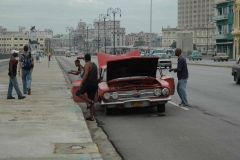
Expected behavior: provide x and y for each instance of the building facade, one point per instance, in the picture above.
(10, 40)
(202, 38)
(236, 30)
(143, 39)
(224, 24)
(195, 13)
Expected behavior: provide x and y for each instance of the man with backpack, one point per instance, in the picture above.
(26, 63)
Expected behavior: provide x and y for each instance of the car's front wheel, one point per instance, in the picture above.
(236, 79)
(170, 67)
(108, 111)
(161, 108)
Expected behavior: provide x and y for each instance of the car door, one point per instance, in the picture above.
(238, 67)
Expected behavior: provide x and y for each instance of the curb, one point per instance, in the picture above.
(211, 65)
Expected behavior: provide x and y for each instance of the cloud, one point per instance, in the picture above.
(58, 14)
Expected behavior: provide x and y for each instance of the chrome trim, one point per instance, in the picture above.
(136, 100)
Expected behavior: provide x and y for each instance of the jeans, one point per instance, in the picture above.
(13, 83)
(181, 89)
(26, 79)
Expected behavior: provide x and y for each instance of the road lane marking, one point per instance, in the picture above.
(184, 108)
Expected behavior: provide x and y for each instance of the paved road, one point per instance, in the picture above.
(209, 129)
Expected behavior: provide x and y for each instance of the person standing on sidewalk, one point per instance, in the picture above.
(12, 72)
(182, 74)
(89, 85)
(27, 64)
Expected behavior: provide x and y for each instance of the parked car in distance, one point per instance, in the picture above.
(80, 56)
(236, 71)
(221, 57)
(195, 55)
(164, 60)
(68, 55)
(73, 54)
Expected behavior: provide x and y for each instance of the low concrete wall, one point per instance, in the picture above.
(5, 56)
(4, 64)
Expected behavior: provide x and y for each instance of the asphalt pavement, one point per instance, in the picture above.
(209, 129)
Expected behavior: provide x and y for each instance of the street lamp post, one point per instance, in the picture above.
(114, 12)
(98, 22)
(70, 29)
(88, 26)
(207, 35)
(150, 44)
(104, 18)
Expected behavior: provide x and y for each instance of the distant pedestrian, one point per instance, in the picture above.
(27, 64)
(89, 85)
(80, 71)
(39, 57)
(49, 56)
(12, 72)
(182, 74)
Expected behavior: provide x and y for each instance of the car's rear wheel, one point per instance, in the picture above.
(214, 60)
(200, 59)
(236, 79)
(161, 108)
(226, 59)
(170, 67)
(165, 67)
(108, 111)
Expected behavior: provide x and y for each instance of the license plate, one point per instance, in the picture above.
(136, 104)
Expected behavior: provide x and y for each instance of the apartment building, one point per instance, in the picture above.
(143, 39)
(10, 40)
(236, 30)
(195, 13)
(107, 32)
(224, 23)
(202, 38)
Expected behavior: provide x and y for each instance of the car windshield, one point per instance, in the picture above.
(222, 54)
(162, 56)
(159, 51)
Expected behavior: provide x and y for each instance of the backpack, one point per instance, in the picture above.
(27, 62)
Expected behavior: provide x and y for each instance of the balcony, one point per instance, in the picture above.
(227, 36)
(220, 17)
(220, 36)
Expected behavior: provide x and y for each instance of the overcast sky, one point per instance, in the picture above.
(58, 14)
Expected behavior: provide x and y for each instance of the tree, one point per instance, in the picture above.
(174, 44)
(194, 47)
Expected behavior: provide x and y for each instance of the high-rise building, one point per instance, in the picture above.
(195, 13)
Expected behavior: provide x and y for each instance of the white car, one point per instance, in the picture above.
(73, 54)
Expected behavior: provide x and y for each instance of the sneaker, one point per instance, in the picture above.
(29, 91)
(183, 105)
(22, 97)
(180, 104)
(10, 97)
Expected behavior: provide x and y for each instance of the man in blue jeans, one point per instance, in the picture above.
(12, 72)
(26, 63)
(182, 74)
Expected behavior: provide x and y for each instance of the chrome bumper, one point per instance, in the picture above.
(128, 103)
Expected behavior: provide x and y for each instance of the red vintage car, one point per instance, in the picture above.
(128, 81)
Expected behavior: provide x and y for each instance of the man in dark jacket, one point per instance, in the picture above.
(12, 72)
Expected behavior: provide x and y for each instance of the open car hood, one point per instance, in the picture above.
(132, 67)
(103, 58)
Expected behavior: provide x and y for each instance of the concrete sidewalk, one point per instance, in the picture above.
(45, 125)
